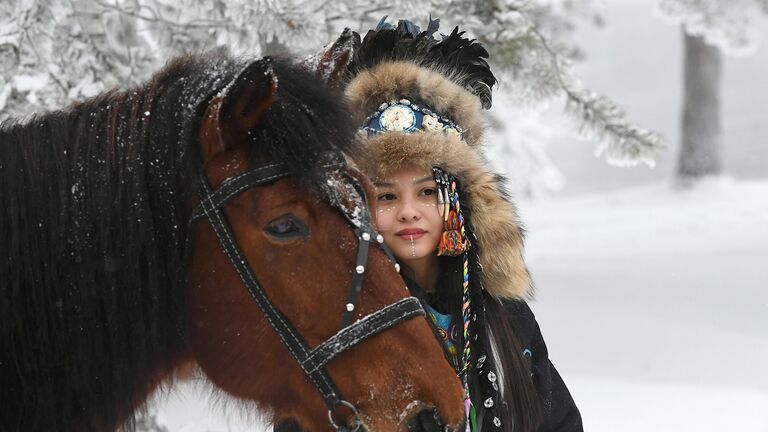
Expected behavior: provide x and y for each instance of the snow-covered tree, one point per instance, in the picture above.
(710, 27)
(531, 44)
(55, 52)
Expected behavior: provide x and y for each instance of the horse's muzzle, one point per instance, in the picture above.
(429, 421)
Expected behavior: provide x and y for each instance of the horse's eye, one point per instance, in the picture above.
(286, 226)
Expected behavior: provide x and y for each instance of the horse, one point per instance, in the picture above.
(205, 217)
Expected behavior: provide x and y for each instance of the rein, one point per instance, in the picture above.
(311, 361)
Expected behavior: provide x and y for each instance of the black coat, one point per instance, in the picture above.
(560, 412)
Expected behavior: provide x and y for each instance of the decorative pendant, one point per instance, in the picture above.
(480, 361)
(491, 377)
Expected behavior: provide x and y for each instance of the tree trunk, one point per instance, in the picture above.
(701, 134)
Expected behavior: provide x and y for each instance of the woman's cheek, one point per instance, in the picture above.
(385, 218)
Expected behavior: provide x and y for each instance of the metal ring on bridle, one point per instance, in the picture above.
(358, 422)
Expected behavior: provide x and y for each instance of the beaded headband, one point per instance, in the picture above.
(406, 116)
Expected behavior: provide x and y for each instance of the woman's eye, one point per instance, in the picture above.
(429, 191)
(386, 197)
(286, 226)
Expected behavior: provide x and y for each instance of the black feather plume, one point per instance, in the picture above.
(460, 59)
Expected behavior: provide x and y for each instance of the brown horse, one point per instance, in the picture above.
(107, 286)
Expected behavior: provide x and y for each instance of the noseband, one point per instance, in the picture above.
(312, 361)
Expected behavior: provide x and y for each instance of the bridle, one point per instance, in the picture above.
(311, 361)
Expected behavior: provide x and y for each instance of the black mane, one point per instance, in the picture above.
(93, 201)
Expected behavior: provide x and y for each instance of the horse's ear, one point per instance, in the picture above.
(232, 115)
(330, 64)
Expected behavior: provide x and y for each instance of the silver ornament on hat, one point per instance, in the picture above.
(397, 118)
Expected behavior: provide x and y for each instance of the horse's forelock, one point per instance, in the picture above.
(306, 123)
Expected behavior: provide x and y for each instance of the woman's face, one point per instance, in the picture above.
(407, 214)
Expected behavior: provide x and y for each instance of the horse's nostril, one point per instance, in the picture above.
(426, 421)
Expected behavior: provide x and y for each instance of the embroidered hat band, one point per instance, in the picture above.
(406, 116)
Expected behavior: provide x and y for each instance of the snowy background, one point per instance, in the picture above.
(653, 299)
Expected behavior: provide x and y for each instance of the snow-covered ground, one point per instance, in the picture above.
(654, 301)
(654, 304)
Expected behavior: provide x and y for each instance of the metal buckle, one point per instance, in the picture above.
(358, 422)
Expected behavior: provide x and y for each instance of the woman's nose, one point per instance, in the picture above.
(408, 212)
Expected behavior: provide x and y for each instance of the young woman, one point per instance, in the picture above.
(446, 217)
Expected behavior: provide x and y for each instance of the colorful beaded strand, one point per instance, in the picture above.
(471, 415)
(453, 241)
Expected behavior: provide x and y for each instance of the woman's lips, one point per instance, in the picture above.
(411, 233)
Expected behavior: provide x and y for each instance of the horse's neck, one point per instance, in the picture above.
(90, 230)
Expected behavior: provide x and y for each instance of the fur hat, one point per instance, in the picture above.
(449, 81)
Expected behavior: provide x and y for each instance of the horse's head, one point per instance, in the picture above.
(297, 228)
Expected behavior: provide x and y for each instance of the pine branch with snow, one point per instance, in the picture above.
(540, 68)
(622, 143)
(93, 45)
